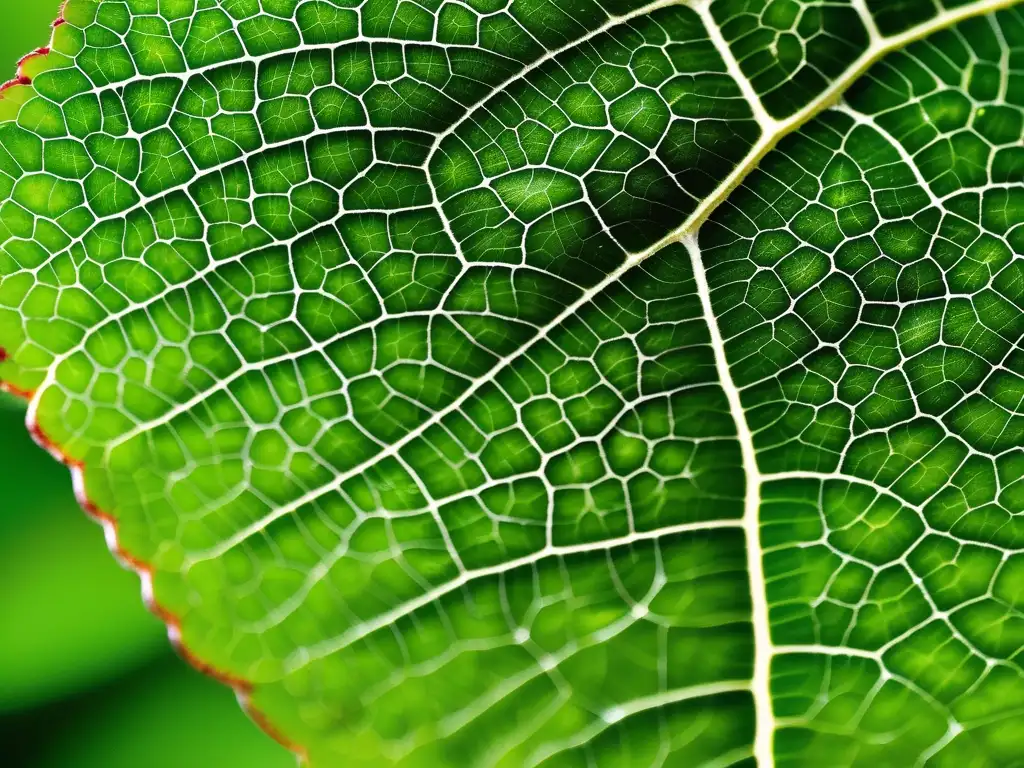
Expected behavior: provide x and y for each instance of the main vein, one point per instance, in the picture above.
(772, 132)
(763, 650)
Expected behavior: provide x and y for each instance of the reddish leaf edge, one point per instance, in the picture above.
(243, 689)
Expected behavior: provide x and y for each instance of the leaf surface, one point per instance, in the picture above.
(545, 383)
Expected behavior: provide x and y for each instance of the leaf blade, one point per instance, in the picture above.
(460, 350)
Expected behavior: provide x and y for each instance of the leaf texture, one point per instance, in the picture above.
(546, 382)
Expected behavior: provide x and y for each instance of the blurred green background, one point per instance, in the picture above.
(87, 677)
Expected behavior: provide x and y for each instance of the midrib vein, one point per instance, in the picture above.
(763, 651)
(765, 722)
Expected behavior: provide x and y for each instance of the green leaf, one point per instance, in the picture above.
(546, 383)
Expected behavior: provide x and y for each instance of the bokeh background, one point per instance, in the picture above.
(87, 677)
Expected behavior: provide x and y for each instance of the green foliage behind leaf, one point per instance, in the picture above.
(71, 620)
